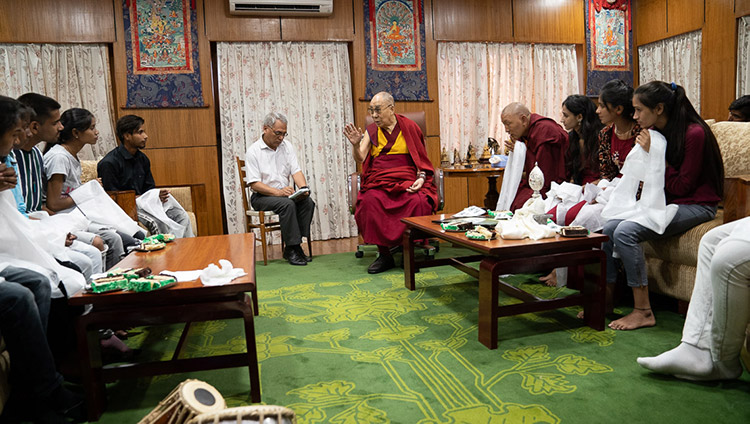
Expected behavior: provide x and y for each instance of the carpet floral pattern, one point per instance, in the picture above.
(340, 346)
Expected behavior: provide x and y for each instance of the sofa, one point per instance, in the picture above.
(192, 197)
(671, 262)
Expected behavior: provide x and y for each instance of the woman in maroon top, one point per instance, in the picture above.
(620, 129)
(693, 180)
(583, 126)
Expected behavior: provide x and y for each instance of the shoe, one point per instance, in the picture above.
(293, 256)
(302, 253)
(382, 263)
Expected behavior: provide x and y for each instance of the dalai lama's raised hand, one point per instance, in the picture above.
(418, 183)
(353, 134)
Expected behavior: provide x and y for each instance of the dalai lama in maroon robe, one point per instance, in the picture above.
(396, 181)
(546, 144)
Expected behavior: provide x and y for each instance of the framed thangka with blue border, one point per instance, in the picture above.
(161, 46)
(609, 43)
(395, 49)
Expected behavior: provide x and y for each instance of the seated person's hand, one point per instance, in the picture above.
(353, 134)
(286, 192)
(418, 183)
(8, 178)
(69, 239)
(98, 242)
(163, 195)
(509, 145)
(644, 139)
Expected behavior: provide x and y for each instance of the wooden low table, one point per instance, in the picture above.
(184, 302)
(510, 257)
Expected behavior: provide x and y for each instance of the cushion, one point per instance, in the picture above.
(735, 149)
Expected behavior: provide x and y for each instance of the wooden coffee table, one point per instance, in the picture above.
(510, 257)
(184, 302)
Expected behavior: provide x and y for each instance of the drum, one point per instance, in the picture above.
(254, 414)
(189, 399)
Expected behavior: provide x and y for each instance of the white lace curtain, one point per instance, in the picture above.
(743, 56)
(76, 75)
(477, 80)
(309, 83)
(676, 59)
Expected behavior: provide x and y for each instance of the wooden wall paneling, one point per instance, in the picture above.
(684, 16)
(472, 20)
(221, 26)
(191, 165)
(182, 141)
(55, 21)
(650, 21)
(741, 8)
(719, 59)
(337, 27)
(544, 21)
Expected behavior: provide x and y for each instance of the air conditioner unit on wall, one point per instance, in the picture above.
(281, 7)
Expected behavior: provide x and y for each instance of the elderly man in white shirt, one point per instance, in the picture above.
(269, 163)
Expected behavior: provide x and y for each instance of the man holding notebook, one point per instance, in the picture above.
(269, 164)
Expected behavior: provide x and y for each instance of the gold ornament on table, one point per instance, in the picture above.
(444, 162)
(456, 158)
(471, 156)
(486, 155)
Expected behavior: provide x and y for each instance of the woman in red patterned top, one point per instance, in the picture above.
(617, 137)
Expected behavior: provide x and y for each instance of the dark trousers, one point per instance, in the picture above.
(295, 216)
(24, 308)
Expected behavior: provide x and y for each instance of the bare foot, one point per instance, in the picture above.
(637, 319)
(550, 279)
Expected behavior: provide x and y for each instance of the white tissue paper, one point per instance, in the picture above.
(212, 275)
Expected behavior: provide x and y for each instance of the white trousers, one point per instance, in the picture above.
(720, 305)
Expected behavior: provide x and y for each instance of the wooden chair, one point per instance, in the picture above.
(353, 182)
(264, 224)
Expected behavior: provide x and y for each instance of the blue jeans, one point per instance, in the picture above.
(24, 308)
(625, 238)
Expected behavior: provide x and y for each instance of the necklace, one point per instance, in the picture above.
(624, 135)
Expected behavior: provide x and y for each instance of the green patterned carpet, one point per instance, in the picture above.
(340, 346)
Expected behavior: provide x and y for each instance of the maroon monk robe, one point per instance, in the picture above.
(383, 199)
(546, 144)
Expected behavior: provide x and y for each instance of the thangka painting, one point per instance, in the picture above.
(161, 44)
(395, 46)
(609, 43)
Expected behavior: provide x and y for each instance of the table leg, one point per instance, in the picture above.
(409, 268)
(252, 351)
(490, 199)
(89, 351)
(596, 289)
(488, 298)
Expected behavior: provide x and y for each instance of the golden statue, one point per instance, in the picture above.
(444, 162)
(471, 156)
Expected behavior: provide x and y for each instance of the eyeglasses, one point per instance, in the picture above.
(377, 110)
(279, 133)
